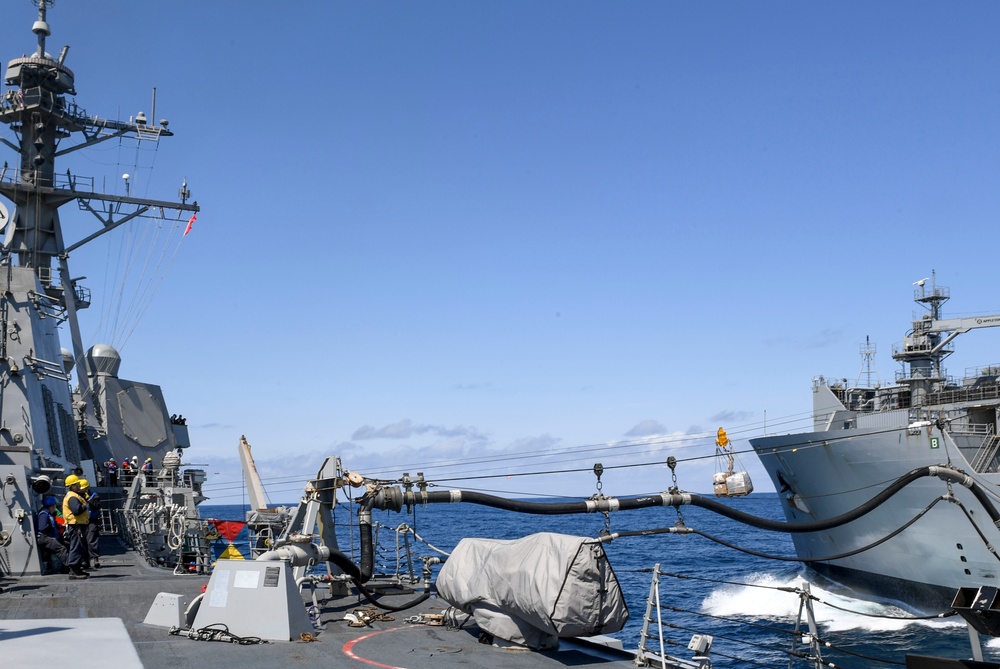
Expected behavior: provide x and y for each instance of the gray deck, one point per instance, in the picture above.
(46, 619)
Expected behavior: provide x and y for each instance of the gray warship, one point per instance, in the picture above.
(49, 426)
(153, 535)
(928, 443)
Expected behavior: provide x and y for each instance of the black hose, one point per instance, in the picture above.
(393, 499)
(815, 526)
(397, 498)
(535, 508)
(388, 607)
(350, 569)
(345, 563)
(367, 552)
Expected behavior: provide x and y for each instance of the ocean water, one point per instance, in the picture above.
(741, 600)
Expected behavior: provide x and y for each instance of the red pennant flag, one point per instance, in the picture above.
(194, 217)
(229, 528)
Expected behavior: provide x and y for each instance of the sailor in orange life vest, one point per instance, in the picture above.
(76, 515)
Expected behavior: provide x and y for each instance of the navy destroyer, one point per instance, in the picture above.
(104, 427)
(936, 531)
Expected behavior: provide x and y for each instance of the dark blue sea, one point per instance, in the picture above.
(739, 599)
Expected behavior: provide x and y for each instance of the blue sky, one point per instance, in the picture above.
(532, 236)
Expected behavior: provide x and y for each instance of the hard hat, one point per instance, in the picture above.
(50, 501)
(84, 484)
(72, 479)
(149, 459)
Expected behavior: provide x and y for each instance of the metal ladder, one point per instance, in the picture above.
(986, 454)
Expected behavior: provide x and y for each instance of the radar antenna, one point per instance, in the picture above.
(868, 365)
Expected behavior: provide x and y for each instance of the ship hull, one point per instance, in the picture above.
(821, 475)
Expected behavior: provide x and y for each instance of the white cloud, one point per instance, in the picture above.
(647, 428)
(406, 429)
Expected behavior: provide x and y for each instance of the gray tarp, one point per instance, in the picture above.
(536, 589)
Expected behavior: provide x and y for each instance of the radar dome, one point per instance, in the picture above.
(104, 359)
(67, 360)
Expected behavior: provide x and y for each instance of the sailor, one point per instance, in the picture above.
(93, 535)
(77, 516)
(47, 537)
(126, 472)
(147, 470)
(112, 473)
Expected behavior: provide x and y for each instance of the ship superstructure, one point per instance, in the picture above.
(932, 537)
(49, 429)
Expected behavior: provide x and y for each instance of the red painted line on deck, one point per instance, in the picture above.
(348, 649)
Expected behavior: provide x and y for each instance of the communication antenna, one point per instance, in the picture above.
(868, 365)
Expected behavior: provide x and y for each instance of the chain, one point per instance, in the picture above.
(598, 470)
(674, 490)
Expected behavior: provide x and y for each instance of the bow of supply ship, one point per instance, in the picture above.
(920, 454)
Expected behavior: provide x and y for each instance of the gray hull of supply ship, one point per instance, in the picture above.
(932, 536)
(50, 427)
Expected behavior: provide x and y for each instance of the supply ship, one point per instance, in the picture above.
(937, 533)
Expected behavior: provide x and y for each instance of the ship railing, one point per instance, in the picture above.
(36, 97)
(15, 103)
(149, 132)
(978, 373)
(657, 657)
(806, 643)
(935, 293)
(264, 526)
(165, 536)
(984, 392)
(82, 296)
(108, 521)
(394, 553)
(920, 374)
(911, 347)
(67, 181)
(964, 427)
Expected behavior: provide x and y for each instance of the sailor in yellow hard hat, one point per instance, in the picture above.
(92, 536)
(77, 515)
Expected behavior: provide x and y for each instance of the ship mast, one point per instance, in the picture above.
(36, 109)
(922, 351)
(928, 344)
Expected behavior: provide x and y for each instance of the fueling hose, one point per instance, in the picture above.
(393, 498)
(352, 570)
